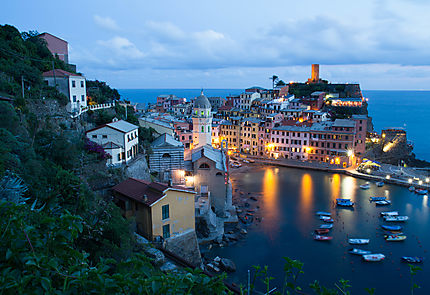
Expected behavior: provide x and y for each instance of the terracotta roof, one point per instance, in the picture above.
(144, 192)
(59, 73)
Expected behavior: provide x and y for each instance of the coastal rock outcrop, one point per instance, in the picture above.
(227, 265)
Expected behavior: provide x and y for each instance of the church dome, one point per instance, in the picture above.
(202, 102)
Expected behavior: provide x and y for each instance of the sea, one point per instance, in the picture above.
(388, 108)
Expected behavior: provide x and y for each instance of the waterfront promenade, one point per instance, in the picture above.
(400, 176)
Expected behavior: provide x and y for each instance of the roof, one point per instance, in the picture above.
(344, 123)
(60, 73)
(166, 140)
(121, 126)
(145, 192)
(110, 146)
(52, 36)
(291, 128)
(317, 93)
(210, 153)
(202, 102)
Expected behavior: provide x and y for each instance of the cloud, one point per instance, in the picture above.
(106, 23)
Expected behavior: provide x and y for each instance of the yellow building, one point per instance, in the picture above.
(159, 209)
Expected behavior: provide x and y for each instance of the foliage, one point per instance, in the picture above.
(413, 269)
(93, 147)
(100, 92)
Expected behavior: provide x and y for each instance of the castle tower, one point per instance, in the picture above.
(315, 72)
(202, 122)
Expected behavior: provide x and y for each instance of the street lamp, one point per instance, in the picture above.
(388, 177)
(420, 182)
(427, 179)
(410, 180)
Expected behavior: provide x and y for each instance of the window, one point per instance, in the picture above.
(94, 136)
(104, 136)
(204, 166)
(74, 98)
(82, 83)
(165, 212)
(119, 157)
(203, 128)
(218, 174)
(73, 83)
(166, 231)
(209, 128)
(82, 97)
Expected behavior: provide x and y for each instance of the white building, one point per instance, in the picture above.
(119, 139)
(202, 122)
(71, 85)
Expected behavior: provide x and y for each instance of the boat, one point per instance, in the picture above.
(235, 165)
(321, 231)
(390, 213)
(374, 199)
(359, 251)
(322, 238)
(373, 257)
(380, 183)
(396, 218)
(358, 241)
(383, 203)
(326, 226)
(411, 188)
(421, 191)
(344, 202)
(326, 219)
(251, 161)
(365, 186)
(395, 238)
(322, 213)
(412, 259)
(391, 227)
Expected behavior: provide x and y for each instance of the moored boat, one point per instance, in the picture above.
(421, 191)
(412, 259)
(380, 184)
(374, 257)
(411, 188)
(322, 213)
(326, 226)
(326, 219)
(365, 186)
(358, 241)
(356, 251)
(322, 238)
(322, 231)
(390, 213)
(396, 218)
(374, 199)
(391, 227)
(395, 238)
(383, 203)
(344, 202)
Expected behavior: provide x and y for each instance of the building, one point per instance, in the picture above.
(71, 85)
(159, 126)
(202, 122)
(315, 77)
(58, 47)
(158, 209)
(120, 139)
(216, 102)
(167, 158)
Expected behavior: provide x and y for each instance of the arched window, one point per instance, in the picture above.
(218, 174)
(204, 166)
(166, 156)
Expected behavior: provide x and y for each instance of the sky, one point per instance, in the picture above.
(381, 44)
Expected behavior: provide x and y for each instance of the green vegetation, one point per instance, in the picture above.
(100, 92)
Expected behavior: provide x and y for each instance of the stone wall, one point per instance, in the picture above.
(186, 247)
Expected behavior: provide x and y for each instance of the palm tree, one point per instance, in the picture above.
(274, 79)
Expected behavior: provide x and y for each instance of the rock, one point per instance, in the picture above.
(243, 231)
(217, 259)
(231, 237)
(253, 198)
(168, 267)
(156, 256)
(219, 240)
(227, 265)
(212, 267)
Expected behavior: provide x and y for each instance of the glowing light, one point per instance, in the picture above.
(420, 182)
(388, 177)
(368, 171)
(427, 179)
(229, 153)
(337, 161)
(350, 153)
(410, 180)
(276, 155)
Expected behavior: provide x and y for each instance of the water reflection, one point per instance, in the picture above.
(306, 199)
(270, 200)
(335, 187)
(349, 188)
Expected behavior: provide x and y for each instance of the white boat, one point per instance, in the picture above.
(374, 199)
(344, 202)
(365, 186)
(390, 213)
(322, 213)
(327, 219)
(411, 188)
(359, 251)
(327, 226)
(373, 257)
(421, 191)
(396, 218)
(358, 241)
(383, 203)
(380, 183)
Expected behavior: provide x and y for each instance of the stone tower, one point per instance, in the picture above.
(315, 72)
(202, 122)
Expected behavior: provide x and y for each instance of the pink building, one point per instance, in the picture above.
(57, 46)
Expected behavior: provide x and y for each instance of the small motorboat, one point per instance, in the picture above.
(326, 226)
(383, 203)
(390, 213)
(421, 191)
(321, 231)
(380, 184)
(365, 186)
(322, 213)
(373, 257)
(396, 218)
(358, 241)
(344, 202)
(251, 161)
(327, 219)
(235, 165)
(322, 238)
(356, 251)
(411, 188)
(375, 199)
(391, 227)
(395, 238)
(412, 259)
